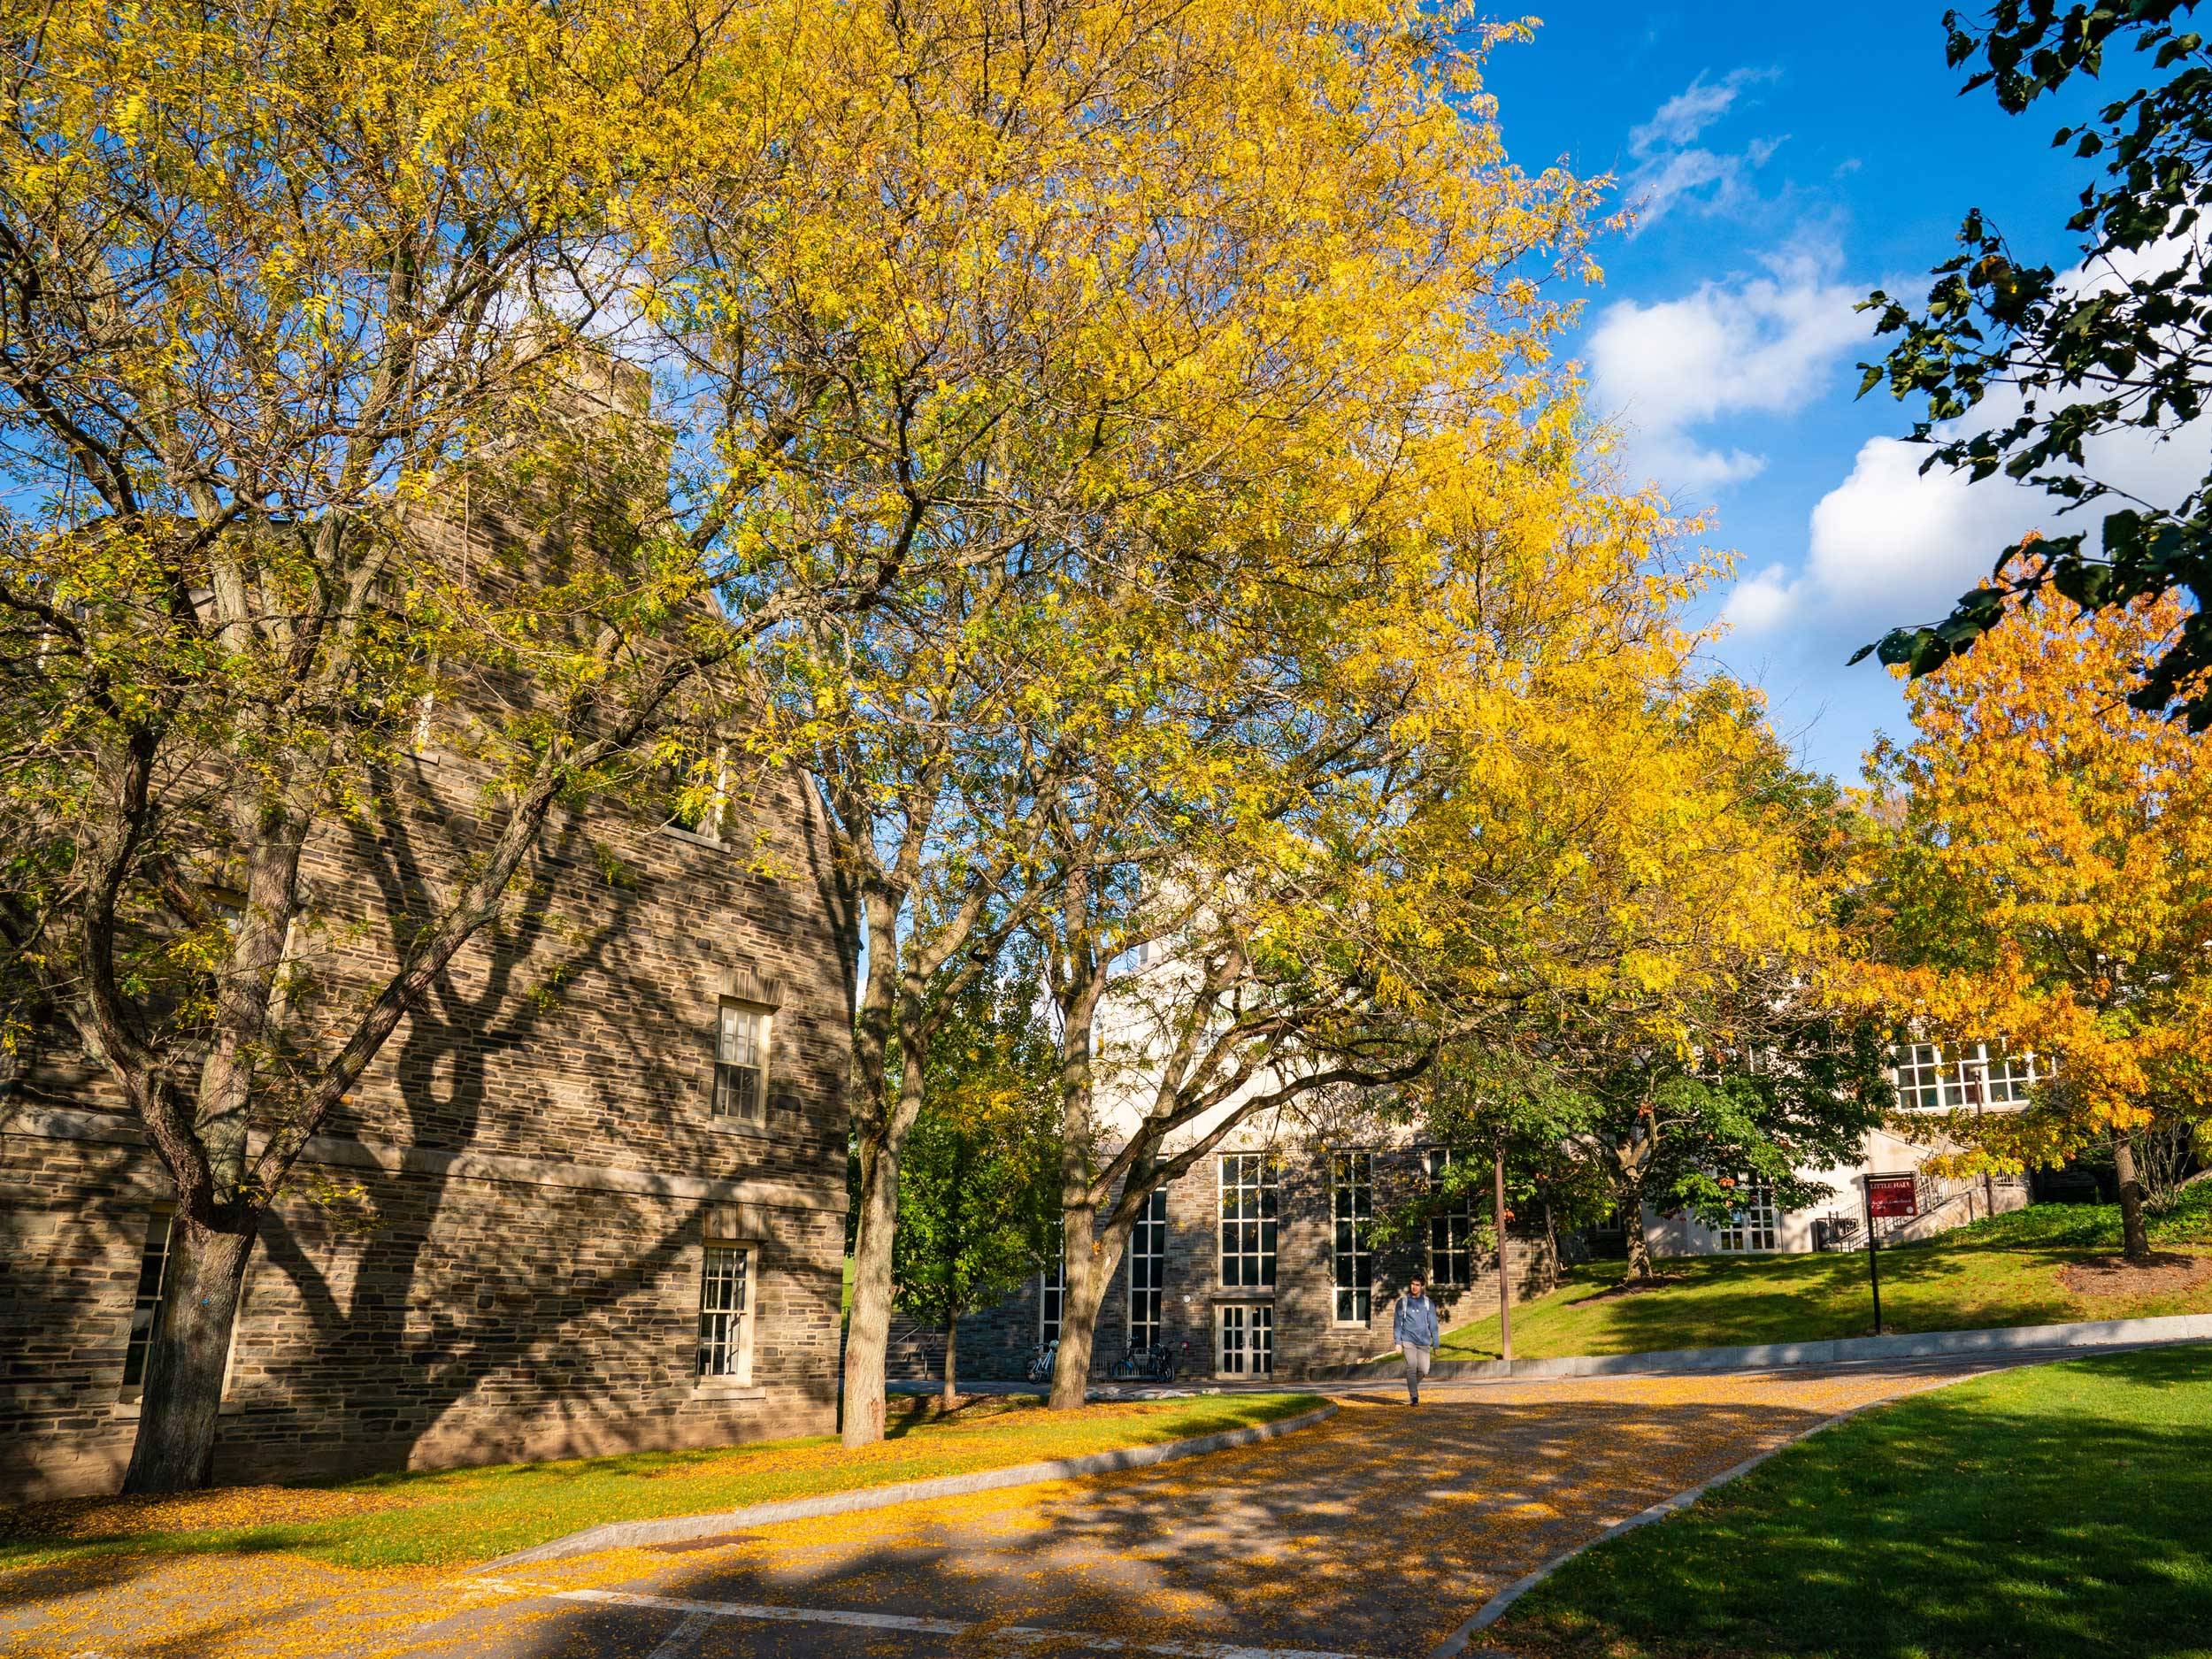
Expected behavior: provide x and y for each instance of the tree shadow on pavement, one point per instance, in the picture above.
(1376, 1533)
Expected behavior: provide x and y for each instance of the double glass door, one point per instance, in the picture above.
(1245, 1339)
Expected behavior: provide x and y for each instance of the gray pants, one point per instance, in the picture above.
(1416, 1368)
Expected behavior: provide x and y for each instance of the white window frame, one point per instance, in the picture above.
(1147, 1272)
(1936, 1077)
(1755, 1229)
(1256, 1219)
(763, 1056)
(736, 1356)
(1351, 1244)
(1052, 1299)
(1443, 1224)
(1253, 1325)
(157, 1242)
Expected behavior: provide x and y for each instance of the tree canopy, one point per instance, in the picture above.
(2026, 370)
(2046, 878)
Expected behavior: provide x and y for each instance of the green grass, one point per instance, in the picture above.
(453, 1516)
(2053, 1510)
(2001, 1271)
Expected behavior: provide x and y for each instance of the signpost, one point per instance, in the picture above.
(1505, 1283)
(1889, 1197)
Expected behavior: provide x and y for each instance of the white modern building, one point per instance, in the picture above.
(1933, 1081)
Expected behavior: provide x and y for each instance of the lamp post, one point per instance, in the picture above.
(1505, 1287)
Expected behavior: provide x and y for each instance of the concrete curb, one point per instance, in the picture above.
(1490, 1611)
(2187, 1327)
(676, 1528)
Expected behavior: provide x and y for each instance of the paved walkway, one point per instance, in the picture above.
(1374, 1534)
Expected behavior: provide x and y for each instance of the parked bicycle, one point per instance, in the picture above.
(1156, 1363)
(1041, 1362)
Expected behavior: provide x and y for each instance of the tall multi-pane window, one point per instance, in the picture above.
(153, 1272)
(1352, 1260)
(1052, 1293)
(741, 1063)
(1147, 1270)
(1755, 1226)
(1936, 1078)
(725, 1311)
(1249, 1185)
(1451, 1226)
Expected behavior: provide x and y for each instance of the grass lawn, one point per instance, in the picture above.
(2008, 1269)
(2057, 1510)
(453, 1516)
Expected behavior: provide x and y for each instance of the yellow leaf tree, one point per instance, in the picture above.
(2045, 878)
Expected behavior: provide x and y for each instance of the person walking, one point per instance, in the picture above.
(1416, 1329)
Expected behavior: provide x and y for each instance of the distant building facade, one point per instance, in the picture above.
(589, 1198)
(1261, 1261)
(1931, 1079)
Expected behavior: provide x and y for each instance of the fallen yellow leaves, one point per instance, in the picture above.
(1375, 1532)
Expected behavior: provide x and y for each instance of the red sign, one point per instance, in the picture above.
(1892, 1197)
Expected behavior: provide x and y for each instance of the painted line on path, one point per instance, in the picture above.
(905, 1624)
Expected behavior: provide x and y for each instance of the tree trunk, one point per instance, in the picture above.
(952, 1347)
(175, 1448)
(1633, 1229)
(2135, 1239)
(868, 1332)
(1090, 1267)
(1080, 1306)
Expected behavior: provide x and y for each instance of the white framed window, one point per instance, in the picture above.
(1147, 1270)
(1244, 1339)
(742, 1034)
(1352, 1255)
(1919, 1076)
(1755, 1226)
(153, 1274)
(1452, 1227)
(1052, 1296)
(726, 1280)
(1932, 1077)
(2005, 1078)
(1250, 1185)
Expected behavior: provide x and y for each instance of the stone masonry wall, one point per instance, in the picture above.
(537, 1153)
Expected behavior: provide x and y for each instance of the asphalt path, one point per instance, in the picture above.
(1375, 1534)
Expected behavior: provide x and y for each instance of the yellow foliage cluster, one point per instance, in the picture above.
(2045, 875)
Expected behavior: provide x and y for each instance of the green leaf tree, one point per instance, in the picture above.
(979, 1200)
(2125, 346)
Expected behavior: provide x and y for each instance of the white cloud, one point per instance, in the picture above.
(1760, 345)
(1671, 172)
(1891, 544)
(1690, 111)
(1760, 602)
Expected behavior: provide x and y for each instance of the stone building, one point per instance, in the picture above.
(590, 1199)
(1261, 1261)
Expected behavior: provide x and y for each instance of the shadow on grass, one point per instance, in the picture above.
(2059, 1510)
(2000, 1272)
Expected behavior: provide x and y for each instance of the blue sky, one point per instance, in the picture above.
(1788, 159)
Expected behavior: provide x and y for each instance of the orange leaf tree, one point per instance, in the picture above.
(2045, 878)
